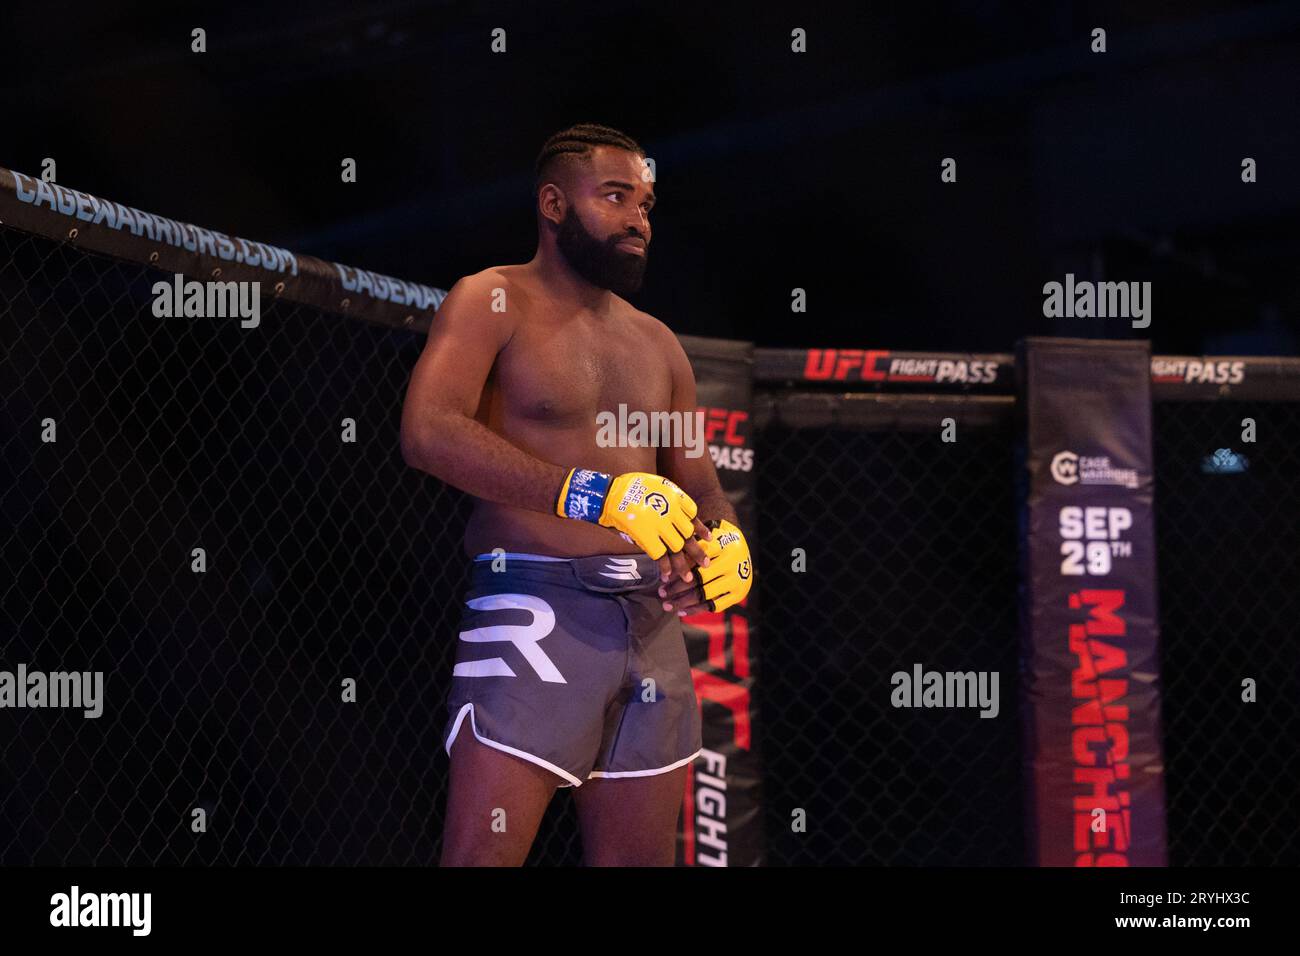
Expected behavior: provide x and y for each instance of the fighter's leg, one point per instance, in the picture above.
(630, 821)
(495, 803)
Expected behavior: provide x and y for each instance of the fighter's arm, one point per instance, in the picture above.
(439, 432)
(440, 435)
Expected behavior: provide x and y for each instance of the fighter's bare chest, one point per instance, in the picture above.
(572, 373)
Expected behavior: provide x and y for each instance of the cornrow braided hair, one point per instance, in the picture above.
(575, 144)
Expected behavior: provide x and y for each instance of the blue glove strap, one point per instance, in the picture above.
(584, 494)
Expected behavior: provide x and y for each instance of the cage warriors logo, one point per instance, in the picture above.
(879, 365)
(126, 219)
(88, 208)
(1068, 468)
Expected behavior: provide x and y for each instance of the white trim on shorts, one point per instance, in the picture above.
(644, 773)
(531, 758)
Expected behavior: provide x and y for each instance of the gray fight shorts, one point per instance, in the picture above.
(554, 664)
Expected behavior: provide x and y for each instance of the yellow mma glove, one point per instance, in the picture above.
(652, 512)
(730, 574)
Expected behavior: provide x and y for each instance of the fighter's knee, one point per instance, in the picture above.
(475, 834)
(481, 853)
(645, 855)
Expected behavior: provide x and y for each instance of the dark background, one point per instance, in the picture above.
(776, 170)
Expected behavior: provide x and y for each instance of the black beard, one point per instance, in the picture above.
(599, 262)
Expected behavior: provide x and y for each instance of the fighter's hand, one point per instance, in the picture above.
(693, 554)
(727, 581)
(647, 509)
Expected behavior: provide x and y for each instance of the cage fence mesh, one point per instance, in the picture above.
(329, 559)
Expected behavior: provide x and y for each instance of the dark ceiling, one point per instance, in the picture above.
(776, 169)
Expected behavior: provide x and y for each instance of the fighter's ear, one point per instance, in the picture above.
(551, 202)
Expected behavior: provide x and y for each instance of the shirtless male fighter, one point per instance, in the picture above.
(571, 668)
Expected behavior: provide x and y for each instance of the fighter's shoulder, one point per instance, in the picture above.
(653, 329)
(487, 281)
(495, 292)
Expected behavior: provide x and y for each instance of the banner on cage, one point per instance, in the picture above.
(1089, 625)
(721, 822)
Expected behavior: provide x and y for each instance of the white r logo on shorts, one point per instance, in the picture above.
(621, 569)
(522, 636)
